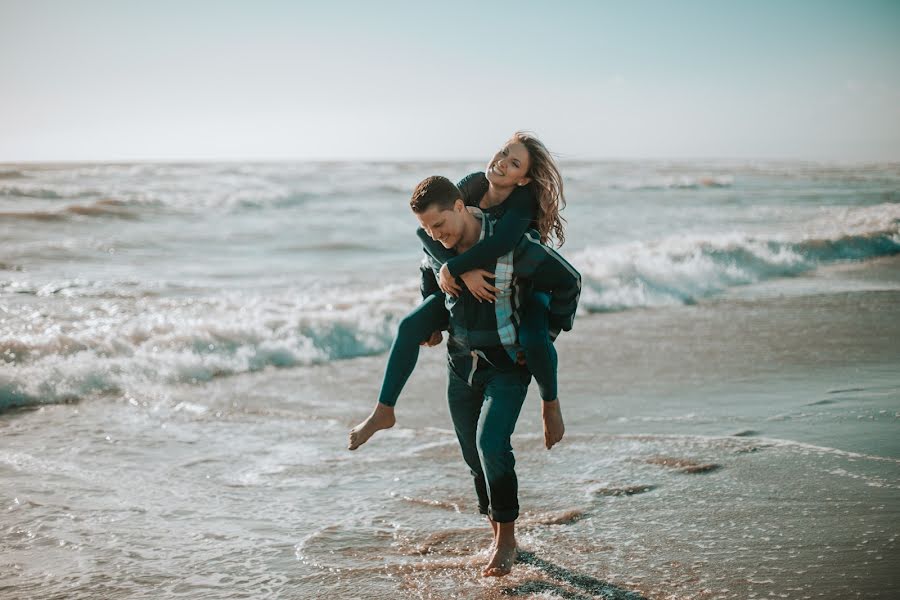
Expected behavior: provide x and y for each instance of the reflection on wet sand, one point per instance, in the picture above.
(682, 464)
(578, 580)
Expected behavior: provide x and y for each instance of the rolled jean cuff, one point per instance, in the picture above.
(505, 516)
(484, 510)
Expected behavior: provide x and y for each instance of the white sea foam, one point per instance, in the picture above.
(117, 335)
(115, 275)
(673, 182)
(62, 352)
(682, 269)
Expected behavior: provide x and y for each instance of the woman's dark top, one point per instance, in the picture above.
(513, 217)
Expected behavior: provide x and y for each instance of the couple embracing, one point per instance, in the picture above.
(491, 279)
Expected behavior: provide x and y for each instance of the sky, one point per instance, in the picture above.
(399, 80)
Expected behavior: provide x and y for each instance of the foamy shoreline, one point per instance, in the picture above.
(719, 450)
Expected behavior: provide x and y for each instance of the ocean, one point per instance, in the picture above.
(183, 348)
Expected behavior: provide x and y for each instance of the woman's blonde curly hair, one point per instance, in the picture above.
(547, 183)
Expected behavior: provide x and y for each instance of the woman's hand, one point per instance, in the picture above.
(476, 281)
(436, 338)
(447, 283)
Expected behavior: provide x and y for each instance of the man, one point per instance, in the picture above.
(487, 385)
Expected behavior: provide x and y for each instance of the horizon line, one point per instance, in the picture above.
(560, 158)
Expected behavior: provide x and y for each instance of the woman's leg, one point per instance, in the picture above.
(540, 355)
(415, 328)
(534, 336)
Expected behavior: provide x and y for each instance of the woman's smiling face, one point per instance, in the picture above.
(509, 166)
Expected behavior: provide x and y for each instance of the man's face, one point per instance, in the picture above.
(444, 226)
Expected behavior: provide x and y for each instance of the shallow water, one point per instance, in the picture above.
(187, 515)
(701, 487)
(732, 401)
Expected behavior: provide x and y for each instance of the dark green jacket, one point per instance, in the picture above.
(491, 329)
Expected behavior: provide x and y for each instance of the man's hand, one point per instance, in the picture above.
(436, 338)
(447, 283)
(476, 281)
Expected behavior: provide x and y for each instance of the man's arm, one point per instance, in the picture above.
(429, 287)
(428, 284)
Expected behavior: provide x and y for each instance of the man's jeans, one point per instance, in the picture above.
(484, 416)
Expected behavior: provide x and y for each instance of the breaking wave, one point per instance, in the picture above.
(684, 269)
(673, 183)
(125, 344)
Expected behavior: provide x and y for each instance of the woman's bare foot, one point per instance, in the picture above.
(381, 418)
(504, 555)
(554, 428)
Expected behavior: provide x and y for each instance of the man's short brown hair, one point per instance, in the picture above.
(434, 191)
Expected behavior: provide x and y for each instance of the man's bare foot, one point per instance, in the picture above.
(495, 527)
(381, 418)
(504, 551)
(554, 428)
(502, 561)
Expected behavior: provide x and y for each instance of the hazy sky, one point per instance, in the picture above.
(191, 79)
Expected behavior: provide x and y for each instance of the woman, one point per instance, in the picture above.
(521, 188)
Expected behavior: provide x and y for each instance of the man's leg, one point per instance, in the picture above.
(504, 394)
(465, 408)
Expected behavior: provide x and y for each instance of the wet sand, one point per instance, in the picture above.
(729, 449)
